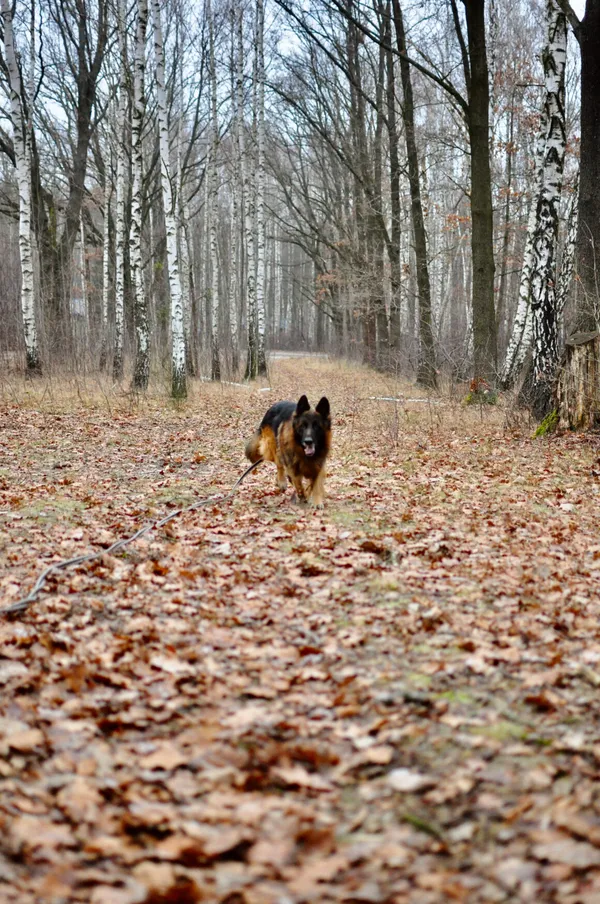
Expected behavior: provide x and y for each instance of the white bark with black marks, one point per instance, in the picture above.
(248, 214)
(178, 368)
(260, 191)
(105, 272)
(120, 199)
(214, 203)
(20, 116)
(543, 275)
(235, 263)
(141, 372)
(568, 257)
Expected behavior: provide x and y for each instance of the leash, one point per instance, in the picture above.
(23, 604)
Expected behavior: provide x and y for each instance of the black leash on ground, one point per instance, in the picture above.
(22, 604)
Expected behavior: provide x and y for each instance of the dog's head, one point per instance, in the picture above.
(311, 427)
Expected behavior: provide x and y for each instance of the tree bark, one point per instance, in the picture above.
(117, 369)
(260, 191)
(215, 370)
(578, 384)
(484, 317)
(543, 274)
(178, 368)
(141, 371)
(21, 119)
(426, 371)
(588, 235)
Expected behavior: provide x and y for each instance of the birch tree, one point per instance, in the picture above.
(543, 275)
(20, 108)
(261, 364)
(105, 272)
(248, 215)
(567, 263)
(214, 203)
(141, 372)
(236, 257)
(117, 371)
(522, 329)
(178, 365)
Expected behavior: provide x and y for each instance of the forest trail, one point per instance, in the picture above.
(393, 700)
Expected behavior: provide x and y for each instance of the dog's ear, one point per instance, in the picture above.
(323, 408)
(302, 406)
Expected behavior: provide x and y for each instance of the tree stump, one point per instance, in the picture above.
(578, 383)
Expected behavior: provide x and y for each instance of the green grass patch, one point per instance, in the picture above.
(548, 425)
(501, 731)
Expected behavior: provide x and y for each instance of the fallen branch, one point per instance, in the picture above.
(23, 604)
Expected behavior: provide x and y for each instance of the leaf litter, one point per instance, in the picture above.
(392, 700)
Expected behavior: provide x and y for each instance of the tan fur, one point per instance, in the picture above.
(299, 468)
(291, 461)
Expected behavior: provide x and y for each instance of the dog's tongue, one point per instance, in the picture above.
(309, 450)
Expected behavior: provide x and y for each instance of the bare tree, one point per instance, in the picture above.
(178, 363)
(21, 116)
(141, 373)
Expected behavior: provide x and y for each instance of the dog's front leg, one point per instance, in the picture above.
(299, 495)
(281, 481)
(317, 490)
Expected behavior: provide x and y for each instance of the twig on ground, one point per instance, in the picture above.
(23, 604)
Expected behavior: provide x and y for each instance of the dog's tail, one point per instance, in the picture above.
(253, 452)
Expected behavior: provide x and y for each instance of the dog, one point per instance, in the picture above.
(298, 440)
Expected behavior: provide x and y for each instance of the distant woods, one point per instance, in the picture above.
(184, 186)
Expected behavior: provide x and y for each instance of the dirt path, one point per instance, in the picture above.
(393, 700)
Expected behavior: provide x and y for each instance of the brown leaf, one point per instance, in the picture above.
(578, 854)
(407, 781)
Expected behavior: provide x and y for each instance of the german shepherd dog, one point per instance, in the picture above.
(298, 441)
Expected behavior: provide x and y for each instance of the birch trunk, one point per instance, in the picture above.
(260, 192)
(105, 273)
(120, 202)
(568, 258)
(141, 370)
(248, 215)
(522, 331)
(235, 275)
(214, 206)
(84, 286)
(543, 276)
(183, 245)
(22, 145)
(178, 369)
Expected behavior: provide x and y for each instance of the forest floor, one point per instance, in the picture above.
(396, 699)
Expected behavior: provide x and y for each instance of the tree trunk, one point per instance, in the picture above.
(117, 371)
(484, 317)
(235, 263)
(178, 369)
(215, 369)
(568, 256)
(21, 119)
(260, 192)
(588, 237)
(141, 371)
(578, 384)
(248, 202)
(426, 369)
(105, 274)
(395, 212)
(543, 274)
